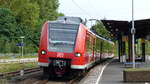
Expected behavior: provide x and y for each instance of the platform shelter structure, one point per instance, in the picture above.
(121, 30)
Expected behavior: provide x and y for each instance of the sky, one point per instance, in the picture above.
(108, 9)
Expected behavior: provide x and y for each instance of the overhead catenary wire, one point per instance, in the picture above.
(84, 11)
(81, 8)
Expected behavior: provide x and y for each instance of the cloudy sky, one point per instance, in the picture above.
(109, 9)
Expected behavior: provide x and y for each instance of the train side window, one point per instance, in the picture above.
(94, 44)
(89, 43)
(97, 45)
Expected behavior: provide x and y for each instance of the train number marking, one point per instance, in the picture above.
(60, 54)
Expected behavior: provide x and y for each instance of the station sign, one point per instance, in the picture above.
(19, 44)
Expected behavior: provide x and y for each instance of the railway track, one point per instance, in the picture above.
(73, 80)
(47, 81)
(17, 73)
(38, 78)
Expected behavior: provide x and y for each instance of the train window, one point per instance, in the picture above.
(89, 45)
(62, 37)
(97, 45)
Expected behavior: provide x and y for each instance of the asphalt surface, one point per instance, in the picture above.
(113, 73)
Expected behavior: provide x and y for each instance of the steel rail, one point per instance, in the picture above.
(17, 73)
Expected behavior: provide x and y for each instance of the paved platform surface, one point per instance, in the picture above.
(113, 73)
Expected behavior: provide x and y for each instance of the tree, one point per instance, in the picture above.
(25, 18)
(26, 13)
(7, 29)
(7, 22)
(48, 9)
(5, 3)
(100, 29)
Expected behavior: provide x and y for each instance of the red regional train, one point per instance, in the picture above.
(66, 45)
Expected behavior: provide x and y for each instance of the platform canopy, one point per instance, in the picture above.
(119, 28)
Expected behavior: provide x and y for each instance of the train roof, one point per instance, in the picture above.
(77, 20)
(62, 22)
(101, 37)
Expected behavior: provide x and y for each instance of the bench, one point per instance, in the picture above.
(131, 63)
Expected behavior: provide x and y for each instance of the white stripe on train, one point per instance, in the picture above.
(72, 66)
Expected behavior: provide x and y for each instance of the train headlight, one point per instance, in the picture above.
(43, 52)
(77, 54)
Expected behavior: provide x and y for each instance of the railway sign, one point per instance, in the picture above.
(19, 44)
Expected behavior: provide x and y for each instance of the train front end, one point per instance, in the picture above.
(57, 47)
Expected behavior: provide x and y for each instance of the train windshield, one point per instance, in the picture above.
(62, 37)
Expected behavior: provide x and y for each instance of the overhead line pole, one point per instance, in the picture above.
(133, 35)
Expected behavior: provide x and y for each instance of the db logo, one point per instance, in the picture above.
(60, 54)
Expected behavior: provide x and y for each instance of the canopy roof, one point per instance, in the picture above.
(118, 28)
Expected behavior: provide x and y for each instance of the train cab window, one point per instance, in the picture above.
(62, 37)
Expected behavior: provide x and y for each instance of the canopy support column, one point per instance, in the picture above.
(143, 50)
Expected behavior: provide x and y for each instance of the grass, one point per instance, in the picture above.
(16, 66)
(4, 57)
(137, 69)
(9, 57)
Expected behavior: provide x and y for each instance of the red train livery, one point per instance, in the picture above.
(66, 45)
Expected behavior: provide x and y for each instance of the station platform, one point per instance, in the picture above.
(113, 73)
